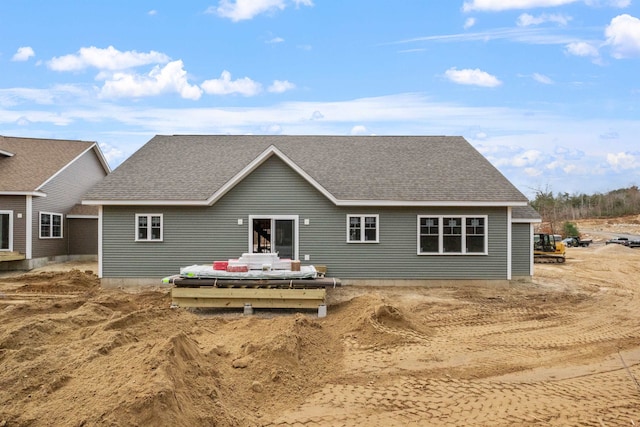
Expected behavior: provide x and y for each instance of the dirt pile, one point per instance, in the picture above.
(563, 350)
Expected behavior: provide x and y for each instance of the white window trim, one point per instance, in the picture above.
(51, 215)
(10, 213)
(362, 222)
(149, 216)
(463, 235)
(273, 218)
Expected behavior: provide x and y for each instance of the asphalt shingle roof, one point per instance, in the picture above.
(525, 212)
(359, 168)
(34, 161)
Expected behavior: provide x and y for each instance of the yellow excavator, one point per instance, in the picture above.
(546, 249)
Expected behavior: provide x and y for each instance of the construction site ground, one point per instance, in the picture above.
(562, 350)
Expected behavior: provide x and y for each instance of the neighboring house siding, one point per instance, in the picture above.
(83, 236)
(63, 192)
(18, 205)
(200, 235)
(521, 250)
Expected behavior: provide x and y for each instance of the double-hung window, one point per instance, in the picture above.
(50, 225)
(362, 229)
(452, 235)
(148, 227)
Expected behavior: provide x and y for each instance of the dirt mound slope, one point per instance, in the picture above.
(563, 350)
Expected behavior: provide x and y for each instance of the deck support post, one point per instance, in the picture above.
(248, 309)
(322, 310)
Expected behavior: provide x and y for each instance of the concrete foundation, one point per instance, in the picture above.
(133, 282)
(426, 283)
(30, 264)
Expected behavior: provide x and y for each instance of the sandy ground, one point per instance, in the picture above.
(563, 350)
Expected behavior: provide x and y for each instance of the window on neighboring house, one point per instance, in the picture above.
(148, 227)
(362, 228)
(50, 225)
(452, 235)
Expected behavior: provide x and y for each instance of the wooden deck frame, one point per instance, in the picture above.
(11, 256)
(210, 297)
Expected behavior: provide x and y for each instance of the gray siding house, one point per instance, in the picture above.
(379, 209)
(42, 182)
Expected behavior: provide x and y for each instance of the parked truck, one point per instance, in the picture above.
(576, 241)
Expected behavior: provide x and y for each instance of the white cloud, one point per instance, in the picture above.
(240, 10)
(621, 4)
(622, 161)
(623, 35)
(105, 59)
(541, 78)
(532, 171)
(275, 40)
(53, 95)
(569, 153)
(168, 79)
(527, 158)
(359, 130)
(499, 5)
(609, 135)
(23, 121)
(526, 20)
(280, 86)
(582, 49)
(474, 77)
(152, 12)
(556, 164)
(23, 54)
(110, 153)
(317, 115)
(225, 86)
(503, 133)
(469, 22)
(274, 129)
(521, 159)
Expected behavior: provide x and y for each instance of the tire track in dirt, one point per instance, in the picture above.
(587, 400)
(447, 388)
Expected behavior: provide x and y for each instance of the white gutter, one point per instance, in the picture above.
(23, 193)
(371, 203)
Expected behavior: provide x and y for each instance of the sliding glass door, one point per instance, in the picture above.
(6, 230)
(277, 234)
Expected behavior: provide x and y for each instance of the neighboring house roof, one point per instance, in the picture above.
(33, 162)
(525, 214)
(83, 211)
(349, 170)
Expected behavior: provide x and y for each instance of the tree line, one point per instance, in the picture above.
(565, 207)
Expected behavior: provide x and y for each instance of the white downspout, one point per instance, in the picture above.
(509, 243)
(100, 241)
(28, 227)
(531, 255)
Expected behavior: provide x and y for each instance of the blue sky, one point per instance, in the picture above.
(547, 90)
